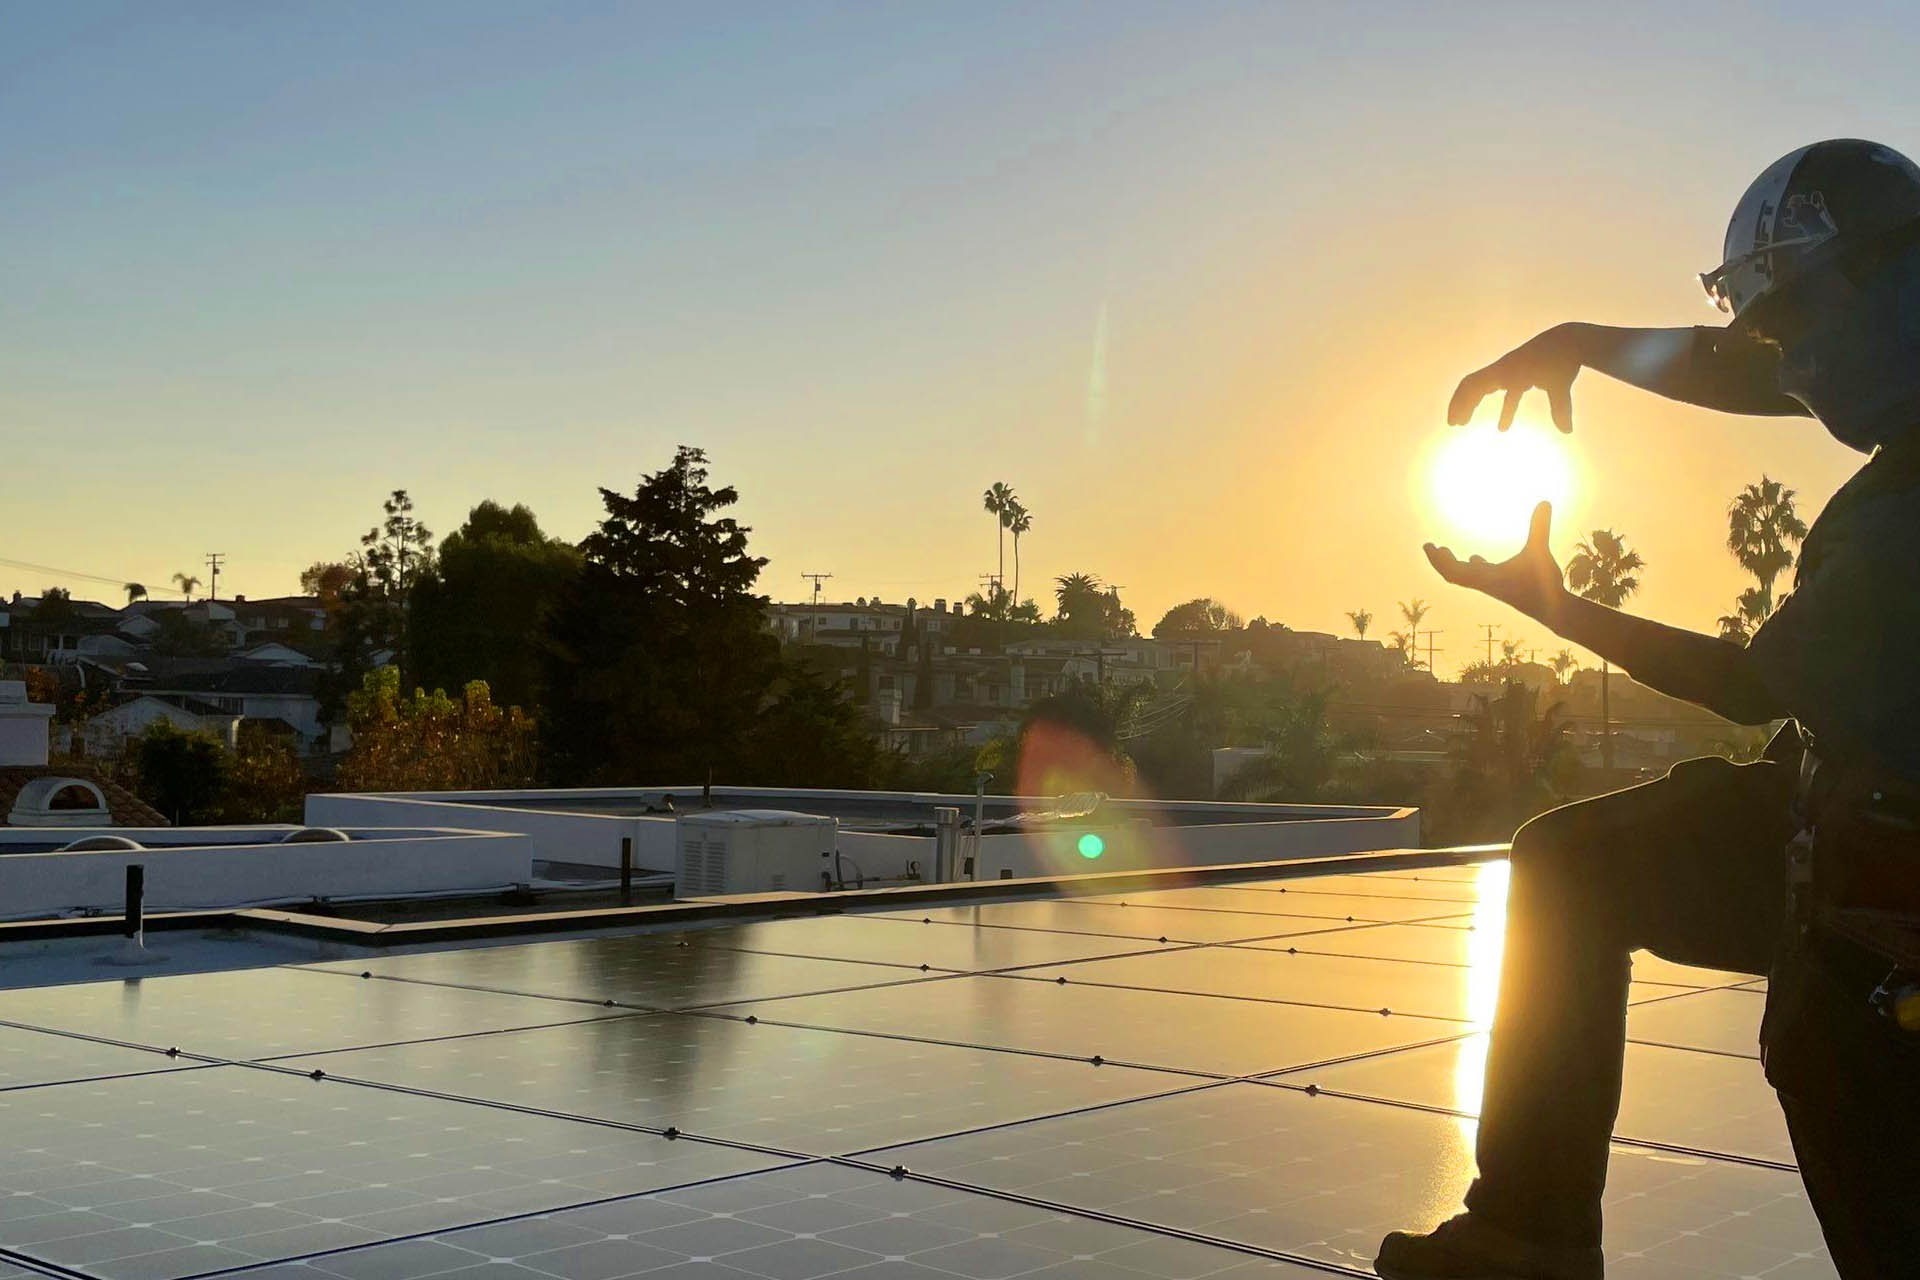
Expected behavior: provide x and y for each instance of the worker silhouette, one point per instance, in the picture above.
(1764, 868)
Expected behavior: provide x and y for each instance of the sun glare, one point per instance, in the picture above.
(1484, 484)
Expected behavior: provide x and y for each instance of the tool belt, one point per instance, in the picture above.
(1854, 867)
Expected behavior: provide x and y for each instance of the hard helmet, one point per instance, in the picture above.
(1809, 207)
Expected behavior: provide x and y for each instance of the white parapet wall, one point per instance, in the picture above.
(218, 868)
(1133, 834)
(558, 835)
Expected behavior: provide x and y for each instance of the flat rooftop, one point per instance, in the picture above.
(1229, 1080)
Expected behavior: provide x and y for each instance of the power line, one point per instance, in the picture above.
(31, 567)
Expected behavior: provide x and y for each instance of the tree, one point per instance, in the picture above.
(187, 583)
(809, 733)
(182, 774)
(1750, 609)
(1513, 762)
(1088, 610)
(1762, 528)
(369, 624)
(999, 501)
(56, 606)
(480, 611)
(1605, 570)
(1404, 643)
(264, 780)
(1075, 740)
(325, 580)
(134, 592)
(660, 660)
(1413, 612)
(431, 742)
(1202, 615)
(1018, 520)
(1361, 620)
(1300, 753)
(1561, 662)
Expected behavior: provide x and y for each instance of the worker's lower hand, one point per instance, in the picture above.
(1530, 581)
(1548, 360)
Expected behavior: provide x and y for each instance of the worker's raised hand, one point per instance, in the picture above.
(1531, 581)
(1547, 360)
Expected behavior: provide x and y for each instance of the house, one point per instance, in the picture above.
(262, 691)
(46, 631)
(33, 793)
(106, 733)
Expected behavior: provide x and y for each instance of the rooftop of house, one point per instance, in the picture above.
(123, 807)
(1222, 1080)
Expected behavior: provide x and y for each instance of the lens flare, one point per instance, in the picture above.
(1059, 760)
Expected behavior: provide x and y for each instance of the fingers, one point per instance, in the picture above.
(1509, 405)
(1461, 573)
(1540, 526)
(1444, 562)
(1467, 397)
(1560, 405)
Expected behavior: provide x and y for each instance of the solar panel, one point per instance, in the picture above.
(1027, 1087)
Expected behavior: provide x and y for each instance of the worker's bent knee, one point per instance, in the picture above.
(1560, 843)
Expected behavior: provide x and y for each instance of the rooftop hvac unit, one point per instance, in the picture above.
(752, 851)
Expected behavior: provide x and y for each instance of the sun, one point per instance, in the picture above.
(1484, 484)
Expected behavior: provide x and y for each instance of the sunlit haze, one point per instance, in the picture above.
(1196, 280)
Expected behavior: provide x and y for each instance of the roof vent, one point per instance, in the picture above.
(60, 802)
(315, 835)
(101, 844)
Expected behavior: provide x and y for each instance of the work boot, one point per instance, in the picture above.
(1470, 1248)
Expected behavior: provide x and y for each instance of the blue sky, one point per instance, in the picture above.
(260, 264)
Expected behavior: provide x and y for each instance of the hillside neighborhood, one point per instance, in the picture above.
(212, 666)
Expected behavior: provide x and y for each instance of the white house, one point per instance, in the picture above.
(107, 733)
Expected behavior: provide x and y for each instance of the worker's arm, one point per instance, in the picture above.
(1703, 670)
(1716, 368)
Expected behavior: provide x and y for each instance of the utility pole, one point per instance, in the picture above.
(213, 573)
(1488, 628)
(1431, 651)
(813, 621)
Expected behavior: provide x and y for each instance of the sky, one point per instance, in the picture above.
(1195, 279)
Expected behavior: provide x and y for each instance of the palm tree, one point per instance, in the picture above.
(1071, 589)
(187, 583)
(999, 499)
(1361, 620)
(135, 592)
(1413, 611)
(1603, 569)
(1561, 662)
(1404, 643)
(1761, 525)
(1018, 521)
(1749, 611)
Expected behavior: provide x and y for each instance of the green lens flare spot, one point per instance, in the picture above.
(1092, 846)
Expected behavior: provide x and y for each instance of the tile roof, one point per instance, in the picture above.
(127, 809)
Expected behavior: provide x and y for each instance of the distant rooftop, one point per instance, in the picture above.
(1222, 1080)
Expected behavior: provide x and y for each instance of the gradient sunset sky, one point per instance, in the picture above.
(1195, 279)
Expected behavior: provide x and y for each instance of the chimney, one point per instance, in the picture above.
(939, 604)
(24, 726)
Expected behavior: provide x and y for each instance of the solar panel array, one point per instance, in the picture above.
(1226, 1081)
